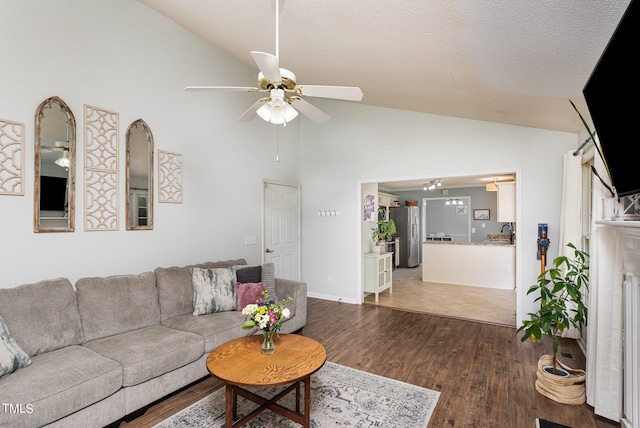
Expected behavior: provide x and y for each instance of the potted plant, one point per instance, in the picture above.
(384, 232)
(561, 301)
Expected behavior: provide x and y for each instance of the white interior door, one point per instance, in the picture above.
(282, 229)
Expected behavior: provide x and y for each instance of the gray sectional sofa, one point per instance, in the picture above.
(108, 347)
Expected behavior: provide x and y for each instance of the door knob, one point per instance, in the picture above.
(268, 250)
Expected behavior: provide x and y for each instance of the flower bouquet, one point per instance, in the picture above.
(268, 315)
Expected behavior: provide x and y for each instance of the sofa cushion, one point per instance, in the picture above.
(56, 384)
(216, 328)
(149, 352)
(249, 274)
(214, 290)
(117, 304)
(42, 316)
(249, 293)
(175, 290)
(12, 357)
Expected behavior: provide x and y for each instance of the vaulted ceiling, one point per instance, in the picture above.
(507, 61)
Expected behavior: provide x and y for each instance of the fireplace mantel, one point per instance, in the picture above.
(627, 243)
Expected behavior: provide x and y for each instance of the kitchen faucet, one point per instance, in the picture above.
(511, 230)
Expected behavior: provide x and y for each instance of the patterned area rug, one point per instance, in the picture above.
(340, 396)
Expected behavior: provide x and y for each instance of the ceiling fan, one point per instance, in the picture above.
(60, 147)
(285, 95)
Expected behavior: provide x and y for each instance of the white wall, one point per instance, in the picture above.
(369, 144)
(121, 56)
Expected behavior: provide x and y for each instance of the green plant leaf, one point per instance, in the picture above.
(557, 287)
(600, 152)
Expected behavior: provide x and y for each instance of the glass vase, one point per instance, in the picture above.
(268, 347)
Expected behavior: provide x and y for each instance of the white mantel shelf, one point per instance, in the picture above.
(618, 223)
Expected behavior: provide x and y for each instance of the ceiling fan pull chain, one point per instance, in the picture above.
(277, 144)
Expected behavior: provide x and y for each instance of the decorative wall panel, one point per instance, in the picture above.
(101, 139)
(101, 199)
(169, 177)
(11, 157)
(101, 169)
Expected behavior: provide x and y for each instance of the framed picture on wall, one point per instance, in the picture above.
(369, 208)
(481, 214)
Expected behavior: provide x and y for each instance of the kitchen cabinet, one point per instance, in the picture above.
(506, 202)
(378, 273)
(388, 200)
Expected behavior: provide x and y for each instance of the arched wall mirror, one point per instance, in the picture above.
(139, 205)
(55, 159)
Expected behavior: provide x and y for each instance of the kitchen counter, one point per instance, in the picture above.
(479, 264)
(492, 243)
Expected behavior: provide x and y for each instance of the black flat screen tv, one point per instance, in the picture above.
(612, 93)
(53, 193)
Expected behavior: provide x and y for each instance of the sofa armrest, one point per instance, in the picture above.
(297, 290)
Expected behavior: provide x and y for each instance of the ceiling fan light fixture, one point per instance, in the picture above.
(491, 187)
(64, 161)
(277, 110)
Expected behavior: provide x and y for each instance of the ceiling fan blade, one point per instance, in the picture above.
(222, 88)
(309, 110)
(350, 93)
(250, 114)
(268, 65)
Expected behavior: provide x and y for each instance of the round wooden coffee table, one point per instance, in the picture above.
(240, 362)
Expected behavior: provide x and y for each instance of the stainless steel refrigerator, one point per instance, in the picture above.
(408, 232)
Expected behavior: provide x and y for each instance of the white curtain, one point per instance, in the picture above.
(604, 329)
(570, 215)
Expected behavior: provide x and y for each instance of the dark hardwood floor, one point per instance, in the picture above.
(485, 375)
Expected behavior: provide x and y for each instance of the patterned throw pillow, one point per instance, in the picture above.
(12, 357)
(248, 293)
(214, 290)
(269, 279)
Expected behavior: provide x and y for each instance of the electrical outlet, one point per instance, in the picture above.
(330, 279)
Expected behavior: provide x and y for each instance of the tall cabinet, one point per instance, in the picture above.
(506, 202)
(378, 272)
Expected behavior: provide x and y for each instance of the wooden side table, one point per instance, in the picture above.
(240, 363)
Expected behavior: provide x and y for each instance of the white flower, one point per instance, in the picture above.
(262, 320)
(250, 309)
(286, 313)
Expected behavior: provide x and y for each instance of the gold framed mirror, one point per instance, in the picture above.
(139, 207)
(54, 167)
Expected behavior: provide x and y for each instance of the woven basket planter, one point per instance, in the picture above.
(569, 390)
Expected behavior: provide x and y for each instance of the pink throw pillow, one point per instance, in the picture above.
(248, 293)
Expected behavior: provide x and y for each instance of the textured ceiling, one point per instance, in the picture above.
(507, 61)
